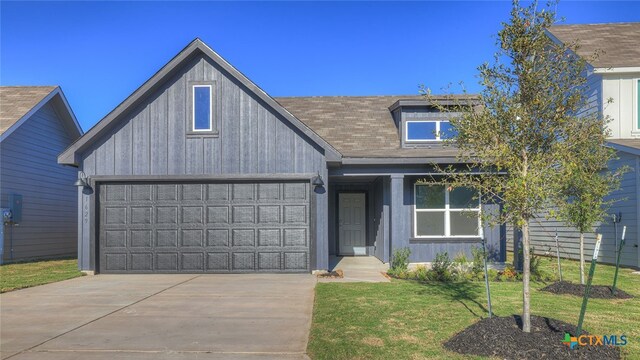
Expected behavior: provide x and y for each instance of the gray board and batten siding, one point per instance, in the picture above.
(28, 167)
(151, 141)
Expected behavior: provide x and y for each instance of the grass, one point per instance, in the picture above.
(27, 274)
(410, 320)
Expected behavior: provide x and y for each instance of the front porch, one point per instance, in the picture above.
(372, 212)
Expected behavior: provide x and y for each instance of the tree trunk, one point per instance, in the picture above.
(582, 258)
(526, 276)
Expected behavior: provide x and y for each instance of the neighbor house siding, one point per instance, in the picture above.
(542, 229)
(253, 140)
(622, 90)
(28, 167)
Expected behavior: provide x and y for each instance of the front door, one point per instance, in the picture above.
(352, 223)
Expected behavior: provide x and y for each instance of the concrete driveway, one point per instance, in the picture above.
(247, 316)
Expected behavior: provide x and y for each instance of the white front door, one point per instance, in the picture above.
(352, 224)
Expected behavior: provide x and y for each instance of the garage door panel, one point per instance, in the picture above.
(167, 261)
(214, 227)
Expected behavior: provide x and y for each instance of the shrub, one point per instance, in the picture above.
(441, 267)
(509, 273)
(493, 274)
(421, 273)
(537, 272)
(400, 263)
(477, 267)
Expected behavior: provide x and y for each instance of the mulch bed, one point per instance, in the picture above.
(597, 291)
(502, 337)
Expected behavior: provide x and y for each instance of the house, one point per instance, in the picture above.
(200, 170)
(36, 125)
(613, 90)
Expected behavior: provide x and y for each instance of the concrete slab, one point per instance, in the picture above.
(153, 355)
(260, 316)
(357, 269)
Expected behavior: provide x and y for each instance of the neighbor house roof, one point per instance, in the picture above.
(631, 146)
(361, 126)
(619, 43)
(16, 101)
(19, 103)
(195, 48)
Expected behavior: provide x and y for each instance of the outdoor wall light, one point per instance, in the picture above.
(317, 181)
(83, 181)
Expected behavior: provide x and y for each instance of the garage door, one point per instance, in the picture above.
(204, 227)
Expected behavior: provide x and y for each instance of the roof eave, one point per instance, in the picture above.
(617, 70)
(400, 160)
(624, 148)
(443, 102)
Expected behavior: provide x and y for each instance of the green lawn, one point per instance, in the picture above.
(408, 320)
(27, 274)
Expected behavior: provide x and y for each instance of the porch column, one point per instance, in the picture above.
(399, 225)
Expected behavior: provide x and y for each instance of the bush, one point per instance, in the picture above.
(421, 273)
(461, 268)
(400, 263)
(477, 267)
(441, 267)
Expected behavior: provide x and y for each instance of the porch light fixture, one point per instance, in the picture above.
(83, 181)
(317, 181)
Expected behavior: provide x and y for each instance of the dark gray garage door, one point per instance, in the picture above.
(204, 227)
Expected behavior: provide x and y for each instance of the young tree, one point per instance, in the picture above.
(586, 184)
(520, 138)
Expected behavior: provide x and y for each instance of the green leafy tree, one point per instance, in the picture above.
(519, 137)
(582, 193)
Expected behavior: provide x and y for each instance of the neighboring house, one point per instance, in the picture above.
(615, 76)
(36, 125)
(199, 170)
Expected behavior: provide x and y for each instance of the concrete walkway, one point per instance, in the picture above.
(248, 316)
(357, 269)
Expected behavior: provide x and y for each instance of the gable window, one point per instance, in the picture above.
(441, 211)
(434, 130)
(201, 106)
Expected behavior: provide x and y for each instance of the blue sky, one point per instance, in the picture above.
(100, 52)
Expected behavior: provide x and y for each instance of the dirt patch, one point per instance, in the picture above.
(373, 341)
(501, 337)
(407, 338)
(597, 291)
(337, 274)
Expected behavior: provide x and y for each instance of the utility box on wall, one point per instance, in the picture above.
(15, 203)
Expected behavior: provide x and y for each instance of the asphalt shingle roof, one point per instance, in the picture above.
(16, 101)
(358, 126)
(619, 42)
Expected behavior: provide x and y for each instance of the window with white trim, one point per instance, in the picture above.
(432, 130)
(442, 211)
(202, 97)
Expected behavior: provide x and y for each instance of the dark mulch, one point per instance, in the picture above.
(502, 337)
(597, 291)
